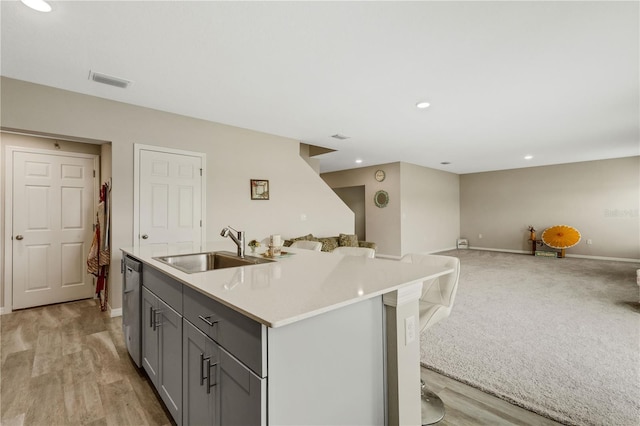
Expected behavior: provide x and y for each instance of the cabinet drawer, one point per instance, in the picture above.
(239, 335)
(164, 287)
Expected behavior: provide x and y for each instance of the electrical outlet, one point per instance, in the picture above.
(480, 236)
(589, 242)
(409, 330)
(303, 217)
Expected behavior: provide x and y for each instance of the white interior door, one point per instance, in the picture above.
(170, 199)
(53, 198)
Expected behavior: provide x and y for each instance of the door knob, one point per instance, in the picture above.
(145, 236)
(19, 237)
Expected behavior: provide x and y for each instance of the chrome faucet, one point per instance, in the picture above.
(239, 240)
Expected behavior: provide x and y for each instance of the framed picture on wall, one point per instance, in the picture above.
(259, 189)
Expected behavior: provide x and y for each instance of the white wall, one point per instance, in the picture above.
(234, 156)
(599, 198)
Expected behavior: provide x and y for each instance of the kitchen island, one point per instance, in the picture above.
(311, 338)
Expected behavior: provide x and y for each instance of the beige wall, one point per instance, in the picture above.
(382, 224)
(105, 163)
(423, 214)
(430, 209)
(599, 198)
(314, 163)
(353, 196)
(234, 156)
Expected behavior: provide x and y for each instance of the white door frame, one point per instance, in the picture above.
(137, 147)
(8, 209)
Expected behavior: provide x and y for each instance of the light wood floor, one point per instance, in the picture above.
(67, 364)
(468, 406)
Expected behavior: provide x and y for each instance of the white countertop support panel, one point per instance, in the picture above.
(403, 355)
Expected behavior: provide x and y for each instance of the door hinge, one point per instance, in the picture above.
(94, 173)
(200, 223)
(201, 172)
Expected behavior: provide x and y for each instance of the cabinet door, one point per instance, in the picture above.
(169, 328)
(242, 398)
(198, 404)
(150, 355)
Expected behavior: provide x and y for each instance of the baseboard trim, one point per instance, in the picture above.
(446, 249)
(501, 250)
(615, 259)
(579, 256)
(394, 257)
(113, 312)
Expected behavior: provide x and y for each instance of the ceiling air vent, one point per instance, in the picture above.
(109, 79)
(339, 136)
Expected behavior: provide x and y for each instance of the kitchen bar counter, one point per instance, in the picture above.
(311, 338)
(295, 287)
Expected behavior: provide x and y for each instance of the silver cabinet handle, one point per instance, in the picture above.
(151, 317)
(202, 359)
(19, 237)
(145, 236)
(156, 323)
(209, 365)
(207, 319)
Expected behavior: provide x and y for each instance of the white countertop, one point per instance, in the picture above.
(294, 287)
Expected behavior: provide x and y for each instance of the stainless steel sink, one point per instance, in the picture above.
(201, 262)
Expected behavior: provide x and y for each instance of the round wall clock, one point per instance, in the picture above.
(380, 175)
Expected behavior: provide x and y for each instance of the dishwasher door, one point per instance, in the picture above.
(131, 306)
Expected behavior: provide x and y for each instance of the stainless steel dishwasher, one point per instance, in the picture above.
(131, 306)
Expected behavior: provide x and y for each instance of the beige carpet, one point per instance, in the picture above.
(560, 337)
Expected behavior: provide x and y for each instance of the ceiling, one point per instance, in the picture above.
(555, 80)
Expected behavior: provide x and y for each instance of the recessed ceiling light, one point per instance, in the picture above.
(528, 157)
(39, 5)
(423, 105)
(358, 161)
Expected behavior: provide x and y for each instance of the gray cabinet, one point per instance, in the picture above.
(169, 329)
(162, 346)
(242, 394)
(210, 363)
(237, 334)
(218, 389)
(150, 352)
(198, 392)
